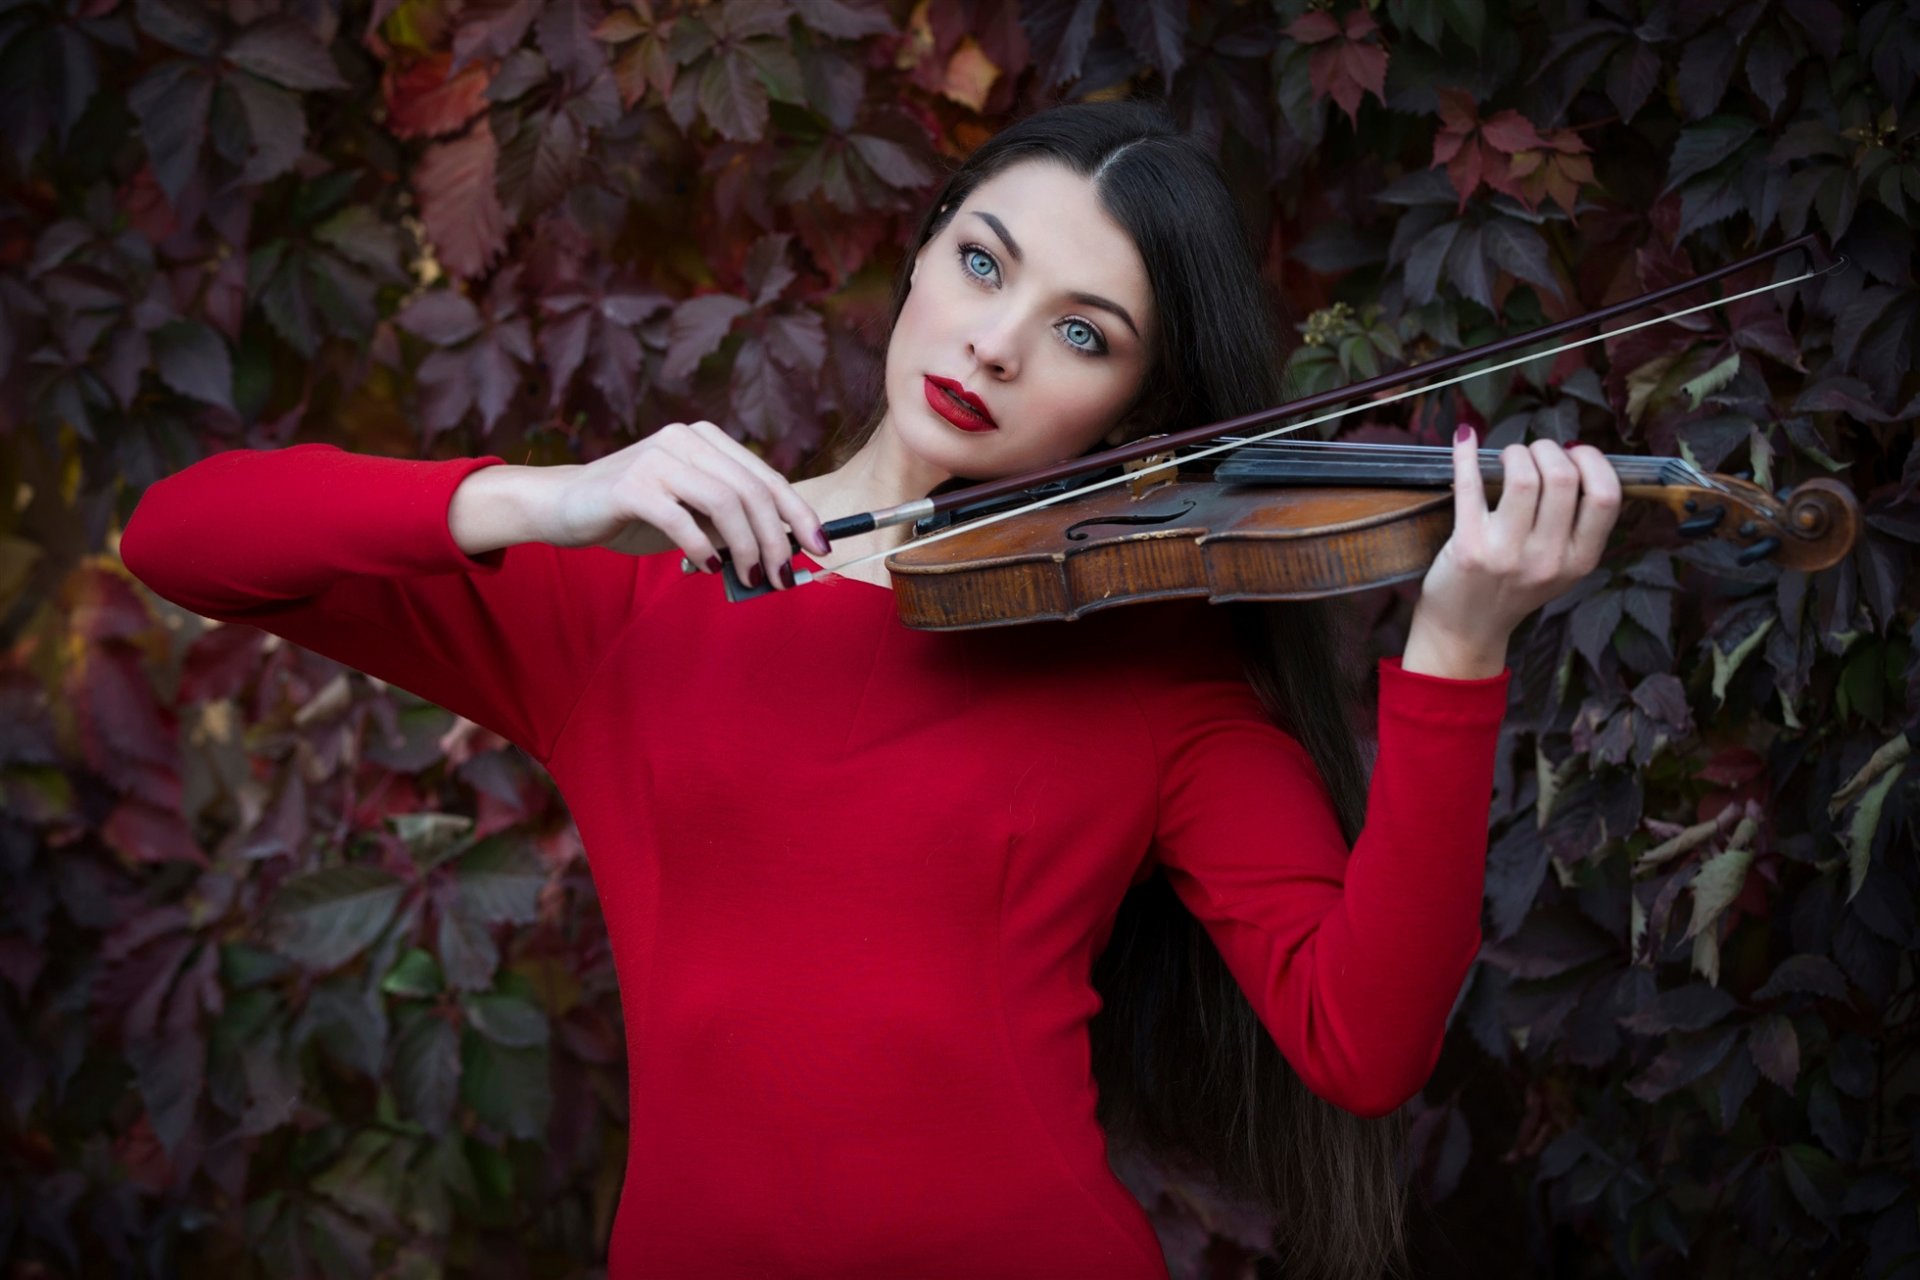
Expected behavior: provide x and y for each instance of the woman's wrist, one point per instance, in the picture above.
(1433, 652)
(502, 506)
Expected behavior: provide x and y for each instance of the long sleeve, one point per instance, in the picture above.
(1352, 959)
(350, 555)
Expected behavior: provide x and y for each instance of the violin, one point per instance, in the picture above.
(1297, 522)
(1293, 520)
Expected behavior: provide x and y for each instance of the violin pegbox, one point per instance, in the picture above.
(1810, 528)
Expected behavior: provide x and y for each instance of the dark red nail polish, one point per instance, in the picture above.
(713, 564)
(754, 576)
(786, 574)
(1464, 433)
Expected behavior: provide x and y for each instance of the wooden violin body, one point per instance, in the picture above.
(1194, 536)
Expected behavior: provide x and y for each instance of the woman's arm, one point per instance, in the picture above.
(502, 506)
(352, 556)
(1352, 959)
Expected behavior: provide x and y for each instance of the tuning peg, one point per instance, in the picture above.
(1758, 551)
(1702, 524)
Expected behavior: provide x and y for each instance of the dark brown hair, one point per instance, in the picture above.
(1187, 1073)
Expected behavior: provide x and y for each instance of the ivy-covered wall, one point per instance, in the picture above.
(300, 976)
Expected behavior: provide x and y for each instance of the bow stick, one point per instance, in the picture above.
(867, 522)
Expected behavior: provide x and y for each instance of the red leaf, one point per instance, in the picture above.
(698, 326)
(1360, 24)
(1466, 169)
(143, 833)
(1313, 27)
(1367, 65)
(218, 663)
(492, 30)
(1510, 132)
(1499, 173)
(423, 101)
(1458, 111)
(565, 31)
(1732, 766)
(839, 246)
(462, 214)
(1446, 145)
(441, 316)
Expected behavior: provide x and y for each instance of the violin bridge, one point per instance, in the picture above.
(1149, 473)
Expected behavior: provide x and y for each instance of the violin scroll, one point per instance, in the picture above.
(1809, 528)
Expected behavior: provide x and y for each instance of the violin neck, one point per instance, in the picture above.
(1422, 466)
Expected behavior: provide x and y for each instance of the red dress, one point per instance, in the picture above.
(855, 876)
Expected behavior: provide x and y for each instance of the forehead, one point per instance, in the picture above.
(1065, 234)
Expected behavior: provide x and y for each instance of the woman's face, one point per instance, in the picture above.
(1035, 300)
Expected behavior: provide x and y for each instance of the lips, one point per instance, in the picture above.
(958, 405)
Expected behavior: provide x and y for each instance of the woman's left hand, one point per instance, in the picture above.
(1555, 511)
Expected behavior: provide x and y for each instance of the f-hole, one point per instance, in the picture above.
(1075, 532)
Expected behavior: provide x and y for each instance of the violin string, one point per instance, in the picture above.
(1628, 465)
(941, 535)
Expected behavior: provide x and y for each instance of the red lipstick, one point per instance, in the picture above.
(958, 405)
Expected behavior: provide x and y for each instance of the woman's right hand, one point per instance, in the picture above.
(691, 486)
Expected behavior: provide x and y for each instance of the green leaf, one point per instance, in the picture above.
(416, 975)
(285, 52)
(431, 838)
(509, 1089)
(1717, 884)
(426, 1068)
(1520, 249)
(1702, 146)
(1816, 1179)
(1775, 1046)
(1725, 663)
(1863, 826)
(1425, 260)
(507, 1020)
(1698, 389)
(468, 953)
(327, 917)
(500, 881)
(1466, 17)
(193, 360)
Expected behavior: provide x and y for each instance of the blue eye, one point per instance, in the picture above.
(1084, 327)
(969, 252)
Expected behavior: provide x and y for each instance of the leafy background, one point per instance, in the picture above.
(302, 976)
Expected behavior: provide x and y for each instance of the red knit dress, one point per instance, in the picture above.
(855, 876)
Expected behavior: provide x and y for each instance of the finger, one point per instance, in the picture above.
(1469, 490)
(1559, 496)
(659, 509)
(691, 486)
(1513, 514)
(794, 509)
(768, 530)
(1599, 504)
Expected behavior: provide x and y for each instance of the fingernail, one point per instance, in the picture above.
(820, 543)
(713, 564)
(1462, 434)
(754, 577)
(786, 574)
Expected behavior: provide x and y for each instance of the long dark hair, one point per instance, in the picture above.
(1187, 1073)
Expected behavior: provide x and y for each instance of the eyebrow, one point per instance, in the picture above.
(1085, 299)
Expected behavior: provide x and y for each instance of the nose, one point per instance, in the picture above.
(996, 339)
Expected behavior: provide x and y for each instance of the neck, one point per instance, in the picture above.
(881, 474)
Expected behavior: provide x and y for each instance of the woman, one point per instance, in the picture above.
(857, 878)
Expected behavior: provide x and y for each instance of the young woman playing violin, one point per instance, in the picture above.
(915, 929)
